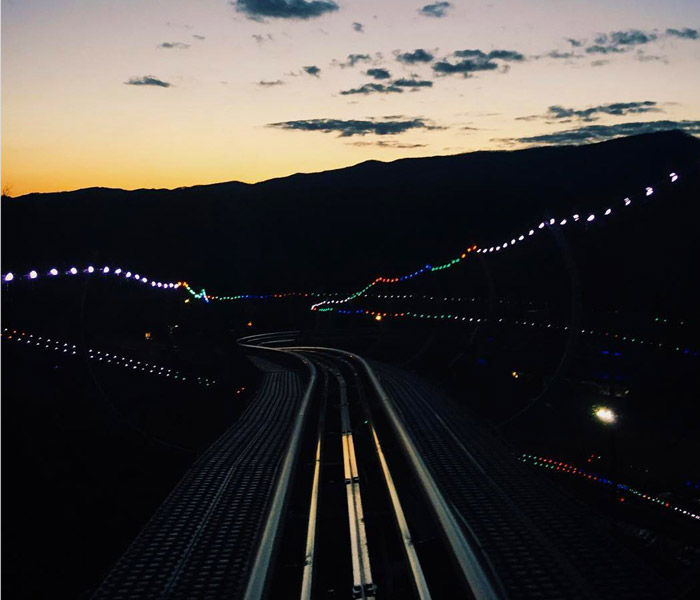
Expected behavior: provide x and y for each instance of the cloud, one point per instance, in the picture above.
(464, 67)
(617, 42)
(359, 27)
(262, 38)
(643, 57)
(199, 37)
(283, 9)
(599, 133)
(599, 63)
(387, 144)
(417, 56)
(387, 126)
(575, 43)
(353, 59)
(148, 80)
(412, 83)
(505, 55)
(437, 10)
(686, 34)
(378, 73)
(264, 83)
(174, 46)
(593, 113)
(557, 54)
(312, 70)
(372, 88)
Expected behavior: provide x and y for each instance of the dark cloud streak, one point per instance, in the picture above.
(391, 126)
(148, 80)
(436, 10)
(284, 9)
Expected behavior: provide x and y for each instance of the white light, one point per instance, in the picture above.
(674, 177)
(32, 274)
(53, 272)
(576, 217)
(540, 226)
(73, 271)
(563, 222)
(521, 238)
(531, 232)
(552, 221)
(9, 277)
(607, 212)
(649, 191)
(137, 276)
(160, 284)
(606, 415)
(153, 283)
(128, 274)
(590, 218)
(105, 270)
(512, 242)
(144, 279)
(91, 269)
(117, 272)
(628, 201)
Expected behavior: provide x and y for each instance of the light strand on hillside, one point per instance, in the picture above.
(107, 358)
(622, 489)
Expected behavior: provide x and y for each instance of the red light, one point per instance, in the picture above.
(622, 499)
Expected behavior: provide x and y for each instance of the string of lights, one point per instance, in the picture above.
(506, 245)
(380, 315)
(53, 273)
(564, 467)
(67, 348)
(473, 249)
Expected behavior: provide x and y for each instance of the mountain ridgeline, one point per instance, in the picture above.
(335, 230)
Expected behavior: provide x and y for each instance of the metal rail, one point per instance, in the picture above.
(261, 566)
(474, 573)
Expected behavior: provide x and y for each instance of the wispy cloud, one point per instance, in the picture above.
(283, 9)
(353, 59)
(148, 80)
(359, 27)
(436, 10)
(598, 133)
(686, 33)
(417, 56)
(261, 38)
(387, 144)
(312, 70)
(474, 60)
(274, 83)
(199, 37)
(372, 88)
(593, 113)
(386, 126)
(413, 83)
(173, 46)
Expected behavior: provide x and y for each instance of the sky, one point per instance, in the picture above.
(170, 93)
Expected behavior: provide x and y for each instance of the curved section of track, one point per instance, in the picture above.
(204, 540)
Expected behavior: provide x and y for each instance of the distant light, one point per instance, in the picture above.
(153, 283)
(128, 274)
(521, 238)
(144, 280)
(32, 274)
(552, 221)
(563, 222)
(73, 271)
(137, 276)
(378, 318)
(576, 217)
(541, 225)
(249, 323)
(9, 277)
(605, 415)
(117, 272)
(105, 270)
(187, 300)
(607, 212)
(649, 191)
(515, 374)
(91, 269)
(674, 177)
(590, 218)
(54, 271)
(628, 201)
(531, 232)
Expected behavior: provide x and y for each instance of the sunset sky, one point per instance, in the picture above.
(169, 93)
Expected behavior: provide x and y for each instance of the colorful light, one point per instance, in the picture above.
(605, 415)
